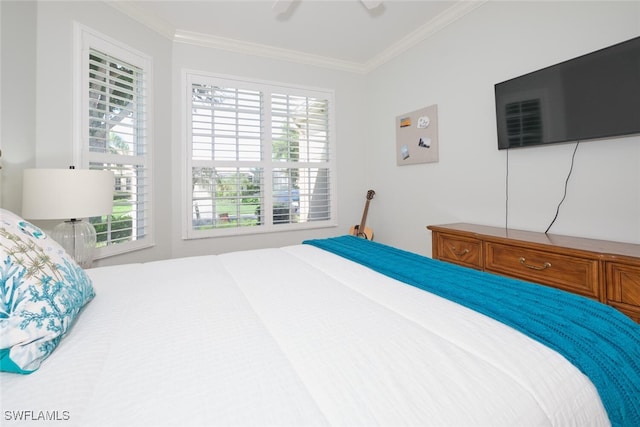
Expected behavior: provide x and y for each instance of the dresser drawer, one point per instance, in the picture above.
(459, 250)
(603, 270)
(570, 273)
(623, 291)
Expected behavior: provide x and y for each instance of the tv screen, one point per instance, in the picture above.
(593, 96)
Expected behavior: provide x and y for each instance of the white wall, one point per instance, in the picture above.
(457, 69)
(18, 98)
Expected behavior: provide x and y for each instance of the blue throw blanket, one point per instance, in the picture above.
(600, 341)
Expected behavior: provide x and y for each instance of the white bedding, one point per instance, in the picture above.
(291, 336)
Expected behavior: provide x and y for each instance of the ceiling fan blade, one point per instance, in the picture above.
(371, 4)
(281, 6)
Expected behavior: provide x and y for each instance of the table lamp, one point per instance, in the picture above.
(70, 194)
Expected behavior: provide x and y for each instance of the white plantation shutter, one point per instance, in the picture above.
(116, 105)
(300, 140)
(129, 220)
(303, 123)
(259, 157)
(226, 123)
(116, 125)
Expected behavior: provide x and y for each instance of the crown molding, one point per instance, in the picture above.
(450, 15)
(257, 49)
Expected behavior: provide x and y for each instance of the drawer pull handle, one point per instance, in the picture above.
(458, 254)
(535, 267)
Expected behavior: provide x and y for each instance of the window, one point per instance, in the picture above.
(259, 157)
(115, 136)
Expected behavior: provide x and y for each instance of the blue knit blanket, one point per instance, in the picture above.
(600, 341)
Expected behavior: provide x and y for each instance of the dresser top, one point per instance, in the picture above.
(604, 247)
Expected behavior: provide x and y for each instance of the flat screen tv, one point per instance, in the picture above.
(593, 96)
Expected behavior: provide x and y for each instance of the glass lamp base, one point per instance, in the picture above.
(78, 238)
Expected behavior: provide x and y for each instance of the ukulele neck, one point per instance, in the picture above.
(364, 216)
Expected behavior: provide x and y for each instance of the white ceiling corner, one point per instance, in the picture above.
(437, 23)
(154, 22)
(182, 22)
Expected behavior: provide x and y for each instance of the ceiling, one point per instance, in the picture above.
(343, 34)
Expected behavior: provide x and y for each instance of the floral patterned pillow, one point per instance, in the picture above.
(42, 290)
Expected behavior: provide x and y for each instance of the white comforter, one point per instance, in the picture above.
(289, 337)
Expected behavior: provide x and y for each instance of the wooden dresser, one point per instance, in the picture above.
(605, 271)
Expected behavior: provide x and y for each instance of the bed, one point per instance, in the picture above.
(339, 331)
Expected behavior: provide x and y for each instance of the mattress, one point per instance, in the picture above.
(290, 336)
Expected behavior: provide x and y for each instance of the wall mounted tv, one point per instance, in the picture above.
(593, 96)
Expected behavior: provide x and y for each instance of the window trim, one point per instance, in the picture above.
(188, 233)
(84, 39)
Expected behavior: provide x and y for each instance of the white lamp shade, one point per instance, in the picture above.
(66, 193)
